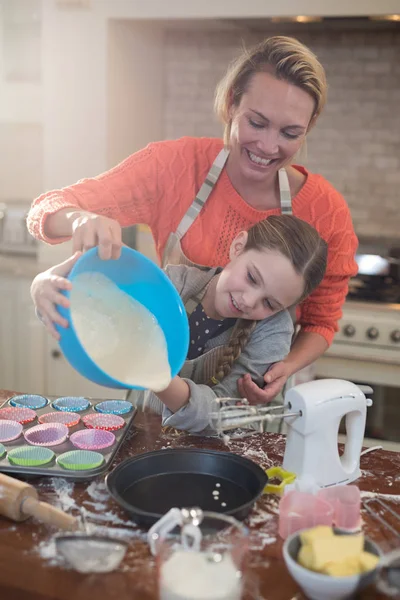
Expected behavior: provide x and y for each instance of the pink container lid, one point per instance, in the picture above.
(92, 439)
(66, 418)
(107, 422)
(346, 504)
(299, 510)
(10, 430)
(15, 413)
(48, 434)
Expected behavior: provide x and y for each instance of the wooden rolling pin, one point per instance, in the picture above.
(19, 501)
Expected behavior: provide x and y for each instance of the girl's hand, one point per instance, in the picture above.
(275, 379)
(90, 230)
(45, 292)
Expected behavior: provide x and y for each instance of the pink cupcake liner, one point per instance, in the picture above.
(69, 419)
(103, 421)
(14, 413)
(49, 434)
(10, 430)
(92, 439)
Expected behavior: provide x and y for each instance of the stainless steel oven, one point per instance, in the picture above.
(366, 348)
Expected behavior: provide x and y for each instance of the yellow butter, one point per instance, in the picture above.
(305, 557)
(344, 568)
(335, 549)
(367, 561)
(321, 531)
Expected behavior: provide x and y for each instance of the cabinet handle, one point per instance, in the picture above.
(55, 353)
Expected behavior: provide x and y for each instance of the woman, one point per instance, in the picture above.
(238, 315)
(268, 101)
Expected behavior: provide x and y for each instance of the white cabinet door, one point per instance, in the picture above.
(63, 380)
(21, 338)
(8, 335)
(30, 338)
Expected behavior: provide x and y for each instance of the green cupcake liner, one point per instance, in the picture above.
(30, 456)
(80, 460)
(2, 450)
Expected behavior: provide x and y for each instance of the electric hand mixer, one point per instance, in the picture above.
(314, 411)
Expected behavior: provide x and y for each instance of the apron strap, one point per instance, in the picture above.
(284, 190)
(209, 184)
(203, 193)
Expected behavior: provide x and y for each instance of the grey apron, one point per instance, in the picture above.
(173, 253)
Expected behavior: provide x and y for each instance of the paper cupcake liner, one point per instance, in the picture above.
(49, 434)
(2, 450)
(105, 421)
(10, 430)
(69, 419)
(92, 439)
(71, 403)
(114, 407)
(32, 401)
(14, 413)
(30, 456)
(80, 460)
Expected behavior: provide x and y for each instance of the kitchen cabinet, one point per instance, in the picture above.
(8, 345)
(63, 380)
(30, 359)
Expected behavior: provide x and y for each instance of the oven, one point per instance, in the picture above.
(366, 348)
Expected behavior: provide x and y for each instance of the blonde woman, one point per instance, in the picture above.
(197, 194)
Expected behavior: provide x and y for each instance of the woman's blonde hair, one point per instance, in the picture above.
(307, 252)
(287, 59)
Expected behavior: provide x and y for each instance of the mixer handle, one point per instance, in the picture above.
(366, 389)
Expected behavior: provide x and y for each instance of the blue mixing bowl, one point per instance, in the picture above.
(142, 279)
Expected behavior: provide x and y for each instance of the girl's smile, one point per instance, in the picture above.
(254, 285)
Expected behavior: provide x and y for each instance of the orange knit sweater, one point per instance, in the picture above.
(156, 185)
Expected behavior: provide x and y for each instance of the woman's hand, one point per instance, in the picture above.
(274, 379)
(45, 292)
(90, 230)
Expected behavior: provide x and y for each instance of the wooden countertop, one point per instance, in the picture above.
(30, 570)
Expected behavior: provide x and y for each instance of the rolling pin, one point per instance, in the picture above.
(19, 501)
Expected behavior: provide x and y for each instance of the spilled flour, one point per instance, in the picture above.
(93, 519)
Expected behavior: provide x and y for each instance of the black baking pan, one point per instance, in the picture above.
(149, 485)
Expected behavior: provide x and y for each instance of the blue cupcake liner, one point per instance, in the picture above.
(114, 407)
(33, 401)
(71, 404)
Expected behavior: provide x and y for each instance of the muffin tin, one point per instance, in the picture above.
(98, 434)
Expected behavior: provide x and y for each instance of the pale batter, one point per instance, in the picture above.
(119, 334)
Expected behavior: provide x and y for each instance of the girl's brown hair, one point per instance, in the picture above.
(307, 252)
(287, 59)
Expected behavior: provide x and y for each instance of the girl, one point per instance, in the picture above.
(238, 316)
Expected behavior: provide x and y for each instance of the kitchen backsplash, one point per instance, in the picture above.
(356, 142)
